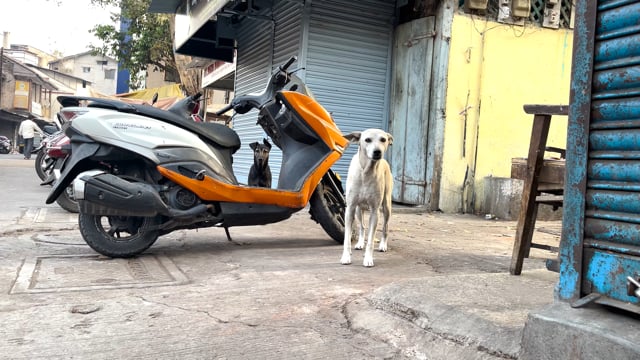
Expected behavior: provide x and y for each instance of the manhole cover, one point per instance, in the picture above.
(57, 273)
(48, 215)
(57, 239)
(55, 214)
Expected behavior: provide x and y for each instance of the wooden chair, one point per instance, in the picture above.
(543, 183)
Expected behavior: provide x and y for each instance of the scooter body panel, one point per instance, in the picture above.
(136, 133)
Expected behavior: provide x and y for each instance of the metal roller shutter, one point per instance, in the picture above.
(605, 127)
(348, 63)
(263, 45)
(253, 66)
(286, 43)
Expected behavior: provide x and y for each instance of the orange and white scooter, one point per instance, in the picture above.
(139, 172)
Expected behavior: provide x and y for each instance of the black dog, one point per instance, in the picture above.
(260, 173)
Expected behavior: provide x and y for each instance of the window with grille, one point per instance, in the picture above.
(171, 75)
(537, 12)
(110, 74)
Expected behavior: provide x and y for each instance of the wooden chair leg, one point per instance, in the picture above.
(528, 207)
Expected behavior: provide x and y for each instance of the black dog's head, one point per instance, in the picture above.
(261, 152)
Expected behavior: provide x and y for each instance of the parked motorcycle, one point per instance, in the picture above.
(44, 162)
(142, 172)
(5, 145)
(56, 153)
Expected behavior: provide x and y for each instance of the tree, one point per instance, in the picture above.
(146, 41)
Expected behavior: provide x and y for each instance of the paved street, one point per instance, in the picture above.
(274, 292)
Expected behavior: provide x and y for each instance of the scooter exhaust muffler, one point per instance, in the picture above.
(99, 193)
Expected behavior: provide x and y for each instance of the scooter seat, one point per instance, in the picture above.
(216, 133)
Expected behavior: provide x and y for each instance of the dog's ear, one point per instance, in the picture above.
(390, 138)
(354, 136)
(267, 143)
(253, 145)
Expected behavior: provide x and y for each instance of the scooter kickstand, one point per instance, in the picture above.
(226, 230)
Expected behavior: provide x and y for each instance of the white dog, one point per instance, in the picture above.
(369, 186)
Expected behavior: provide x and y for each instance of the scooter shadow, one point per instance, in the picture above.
(241, 243)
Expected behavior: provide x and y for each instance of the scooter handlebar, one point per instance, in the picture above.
(288, 63)
(242, 104)
(224, 109)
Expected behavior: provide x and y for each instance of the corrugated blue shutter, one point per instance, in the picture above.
(610, 247)
(348, 63)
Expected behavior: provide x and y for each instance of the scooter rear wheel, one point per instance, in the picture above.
(326, 209)
(118, 236)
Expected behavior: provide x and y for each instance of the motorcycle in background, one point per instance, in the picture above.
(5, 145)
(56, 153)
(139, 172)
(51, 132)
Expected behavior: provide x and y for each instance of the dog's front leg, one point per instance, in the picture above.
(386, 214)
(359, 219)
(368, 251)
(348, 223)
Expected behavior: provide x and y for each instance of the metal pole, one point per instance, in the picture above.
(1, 63)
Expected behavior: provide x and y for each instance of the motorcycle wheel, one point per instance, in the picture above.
(44, 164)
(67, 201)
(4, 150)
(118, 236)
(327, 210)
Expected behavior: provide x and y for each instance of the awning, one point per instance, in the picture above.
(197, 31)
(11, 116)
(167, 96)
(224, 83)
(163, 6)
(219, 76)
(17, 116)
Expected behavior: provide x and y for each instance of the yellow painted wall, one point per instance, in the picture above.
(494, 69)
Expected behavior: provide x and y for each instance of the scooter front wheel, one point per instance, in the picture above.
(119, 236)
(327, 209)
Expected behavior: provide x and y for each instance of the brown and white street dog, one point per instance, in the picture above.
(369, 186)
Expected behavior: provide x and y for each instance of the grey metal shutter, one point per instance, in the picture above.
(286, 43)
(348, 63)
(253, 64)
(262, 46)
(602, 193)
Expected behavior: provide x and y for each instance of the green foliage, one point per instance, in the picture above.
(147, 41)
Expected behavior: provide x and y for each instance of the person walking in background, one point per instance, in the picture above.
(28, 130)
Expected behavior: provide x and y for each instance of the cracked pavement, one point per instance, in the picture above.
(275, 292)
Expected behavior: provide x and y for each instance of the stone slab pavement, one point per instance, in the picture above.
(277, 291)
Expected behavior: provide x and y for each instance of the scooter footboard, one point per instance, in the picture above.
(243, 214)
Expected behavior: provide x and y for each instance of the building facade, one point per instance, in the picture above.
(100, 70)
(447, 80)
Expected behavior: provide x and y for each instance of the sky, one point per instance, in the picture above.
(52, 25)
